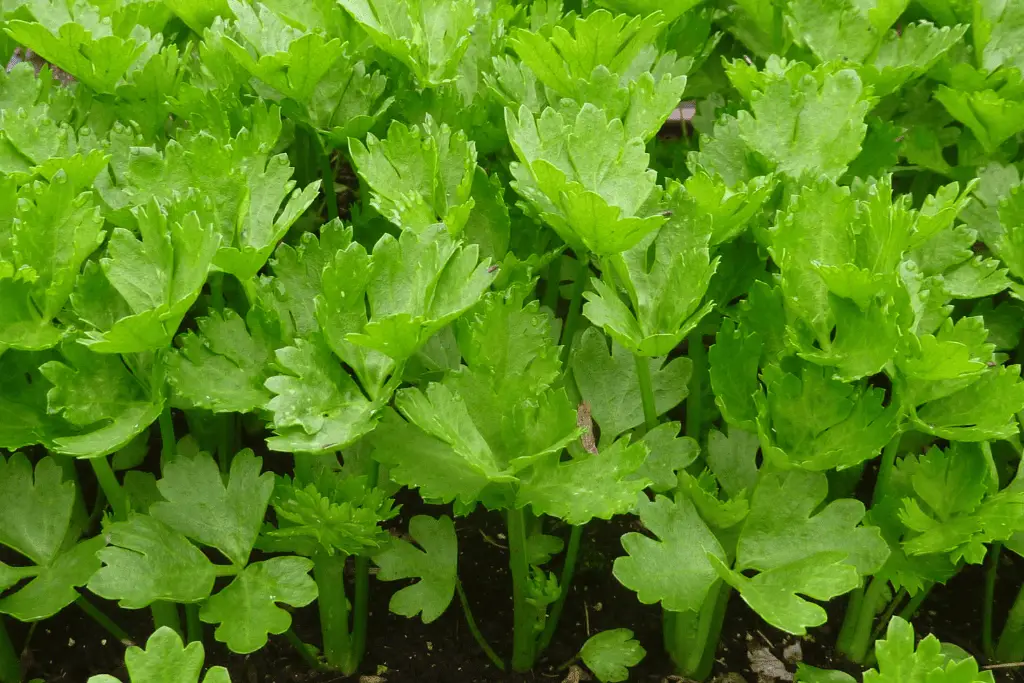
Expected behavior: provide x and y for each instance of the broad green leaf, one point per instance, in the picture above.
(147, 561)
(733, 459)
(419, 176)
(605, 60)
(992, 118)
(287, 59)
(247, 611)
(981, 411)
(786, 526)
(585, 177)
(608, 383)
(811, 420)
(734, 360)
(808, 127)
(100, 398)
(667, 454)
(609, 654)
(37, 507)
(434, 563)
(418, 284)
(593, 485)
(316, 406)
(666, 276)
(157, 277)
(23, 391)
(224, 366)
(201, 506)
(900, 660)
(775, 594)
(428, 36)
(166, 659)
(673, 569)
(52, 233)
(76, 38)
(53, 588)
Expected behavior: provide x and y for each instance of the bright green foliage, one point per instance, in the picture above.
(799, 552)
(609, 654)
(603, 59)
(793, 122)
(900, 660)
(665, 290)
(137, 298)
(98, 50)
(104, 404)
(36, 522)
(427, 36)
(419, 176)
(763, 256)
(676, 569)
(434, 563)
(336, 512)
(152, 557)
(287, 59)
(223, 368)
(166, 660)
(608, 383)
(953, 508)
(585, 176)
(52, 231)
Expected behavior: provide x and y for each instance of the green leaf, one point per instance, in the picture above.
(224, 366)
(593, 485)
(734, 359)
(981, 411)
(287, 59)
(605, 60)
(99, 396)
(37, 507)
(733, 459)
(166, 660)
(53, 588)
(608, 383)
(434, 563)
(200, 505)
(158, 277)
(675, 569)
(666, 276)
(428, 36)
(147, 561)
(418, 284)
(808, 127)
(419, 176)
(73, 37)
(775, 594)
(667, 454)
(317, 406)
(991, 118)
(248, 609)
(23, 392)
(899, 660)
(52, 233)
(786, 526)
(812, 420)
(584, 177)
(609, 654)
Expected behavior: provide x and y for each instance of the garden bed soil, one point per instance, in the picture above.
(70, 647)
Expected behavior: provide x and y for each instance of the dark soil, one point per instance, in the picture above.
(70, 647)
